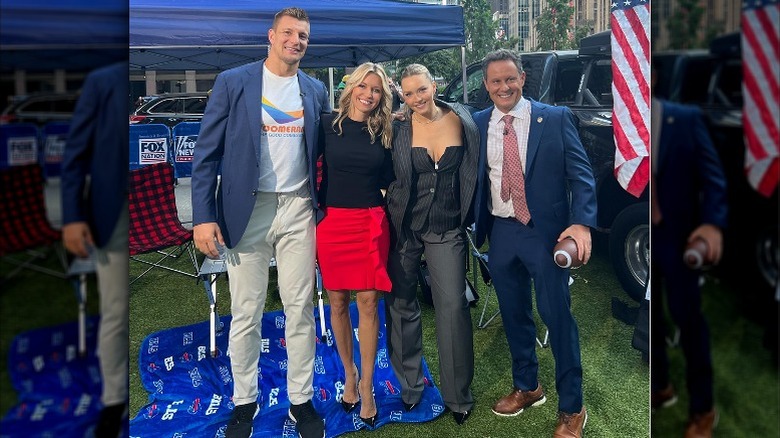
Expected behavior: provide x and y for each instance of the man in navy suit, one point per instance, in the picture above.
(689, 202)
(526, 143)
(261, 126)
(98, 146)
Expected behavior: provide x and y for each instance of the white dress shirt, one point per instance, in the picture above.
(495, 152)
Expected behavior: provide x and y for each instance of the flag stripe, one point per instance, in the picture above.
(761, 92)
(630, 23)
(759, 60)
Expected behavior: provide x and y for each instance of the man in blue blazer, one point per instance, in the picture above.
(261, 126)
(97, 146)
(560, 198)
(689, 202)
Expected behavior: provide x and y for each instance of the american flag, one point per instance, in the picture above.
(630, 22)
(760, 115)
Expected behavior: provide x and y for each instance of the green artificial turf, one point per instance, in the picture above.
(616, 380)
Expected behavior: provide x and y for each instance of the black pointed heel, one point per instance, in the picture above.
(461, 417)
(348, 407)
(371, 422)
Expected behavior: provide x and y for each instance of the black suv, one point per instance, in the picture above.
(712, 80)
(582, 80)
(171, 109)
(40, 108)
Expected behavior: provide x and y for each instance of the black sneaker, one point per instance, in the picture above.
(112, 421)
(240, 424)
(307, 420)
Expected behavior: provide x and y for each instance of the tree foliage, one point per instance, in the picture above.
(480, 32)
(553, 25)
(684, 25)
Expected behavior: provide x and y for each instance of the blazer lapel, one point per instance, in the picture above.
(535, 129)
(253, 95)
(309, 115)
(667, 129)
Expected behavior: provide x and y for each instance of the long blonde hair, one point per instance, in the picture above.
(380, 118)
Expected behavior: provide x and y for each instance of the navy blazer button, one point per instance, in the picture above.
(254, 192)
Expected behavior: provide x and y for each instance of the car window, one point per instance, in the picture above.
(567, 82)
(195, 105)
(598, 88)
(44, 105)
(167, 106)
(728, 85)
(65, 106)
(695, 83)
(473, 87)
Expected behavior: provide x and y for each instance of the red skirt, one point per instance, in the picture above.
(352, 248)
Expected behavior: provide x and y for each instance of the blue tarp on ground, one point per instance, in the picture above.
(221, 34)
(190, 391)
(58, 392)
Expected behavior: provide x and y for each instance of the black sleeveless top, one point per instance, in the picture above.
(435, 197)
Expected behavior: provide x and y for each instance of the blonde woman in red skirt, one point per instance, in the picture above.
(353, 239)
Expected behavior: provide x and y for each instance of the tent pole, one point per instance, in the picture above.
(330, 85)
(463, 77)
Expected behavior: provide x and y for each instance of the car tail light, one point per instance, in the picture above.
(136, 119)
(6, 118)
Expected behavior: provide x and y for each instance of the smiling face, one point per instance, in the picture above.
(418, 93)
(289, 40)
(365, 97)
(504, 84)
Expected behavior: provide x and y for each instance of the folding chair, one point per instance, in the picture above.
(27, 234)
(480, 262)
(154, 220)
(209, 272)
(77, 272)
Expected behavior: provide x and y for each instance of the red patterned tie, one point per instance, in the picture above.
(512, 178)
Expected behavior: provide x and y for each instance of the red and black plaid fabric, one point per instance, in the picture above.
(23, 210)
(154, 221)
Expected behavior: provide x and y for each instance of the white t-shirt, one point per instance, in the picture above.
(282, 147)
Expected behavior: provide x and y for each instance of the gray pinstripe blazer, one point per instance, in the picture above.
(399, 191)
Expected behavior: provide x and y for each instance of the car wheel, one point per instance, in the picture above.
(629, 249)
(768, 257)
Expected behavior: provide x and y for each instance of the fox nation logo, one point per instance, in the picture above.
(152, 150)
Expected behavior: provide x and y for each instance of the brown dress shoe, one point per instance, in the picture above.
(571, 425)
(517, 400)
(701, 425)
(664, 398)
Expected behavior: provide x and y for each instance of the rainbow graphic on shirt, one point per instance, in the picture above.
(281, 117)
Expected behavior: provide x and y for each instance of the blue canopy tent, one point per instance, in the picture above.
(73, 35)
(221, 34)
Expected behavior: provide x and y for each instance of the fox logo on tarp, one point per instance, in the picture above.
(152, 150)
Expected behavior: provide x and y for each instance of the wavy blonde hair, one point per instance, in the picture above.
(380, 118)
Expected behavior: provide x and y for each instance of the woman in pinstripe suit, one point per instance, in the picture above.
(430, 204)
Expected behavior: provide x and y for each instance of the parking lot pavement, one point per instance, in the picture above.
(51, 193)
(184, 201)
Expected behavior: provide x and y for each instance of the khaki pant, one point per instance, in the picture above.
(112, 269)
(281, 225)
